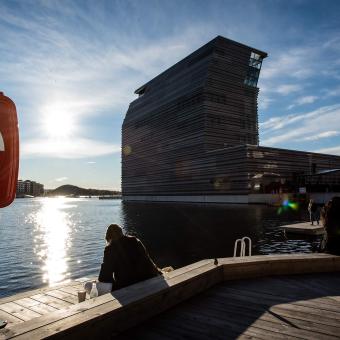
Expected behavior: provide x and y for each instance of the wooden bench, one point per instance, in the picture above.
(115, 312)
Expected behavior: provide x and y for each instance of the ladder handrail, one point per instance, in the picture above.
(249, 245)
(235, 246)
(242, 241)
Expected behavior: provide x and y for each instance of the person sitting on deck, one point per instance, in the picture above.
(125, 262)
(330, 217)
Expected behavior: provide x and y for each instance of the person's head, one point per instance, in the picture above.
(113, 232)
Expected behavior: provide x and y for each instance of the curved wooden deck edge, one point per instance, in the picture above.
(113, 313)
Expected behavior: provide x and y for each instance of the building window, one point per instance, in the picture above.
(141, 91)
(254, 68)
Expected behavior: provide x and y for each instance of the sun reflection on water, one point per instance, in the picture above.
(52, 239)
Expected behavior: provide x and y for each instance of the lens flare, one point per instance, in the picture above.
(287, 205)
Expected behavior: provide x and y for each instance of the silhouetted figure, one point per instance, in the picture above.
(331, 220)
(125, 262)
(314, 212)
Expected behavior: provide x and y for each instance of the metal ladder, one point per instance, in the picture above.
(242, 242)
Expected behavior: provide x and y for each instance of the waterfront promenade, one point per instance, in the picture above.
(273, 296)
(294, 306)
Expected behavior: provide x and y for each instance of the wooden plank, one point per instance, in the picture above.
(310, 283)
(63, 296)
(320, 284)
(201, 320)
(43, 309)
(331, 318)
(73, 290)
(180, 325)
(153, 292)
(256, 266)
(26, 302)
(11, 319)
(277, 287)
(240, 308)
(51, 301)
(29, 293)
(19, 311)
(126, 307)
(35, 291)
(318, 303)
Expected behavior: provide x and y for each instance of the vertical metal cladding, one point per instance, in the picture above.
(199, 105)
(9, 150)
(193, 130)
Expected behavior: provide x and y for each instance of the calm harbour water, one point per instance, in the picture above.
(48, 240)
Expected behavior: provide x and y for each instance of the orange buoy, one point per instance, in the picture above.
(9, 150)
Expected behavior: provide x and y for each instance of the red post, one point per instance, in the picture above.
(9, 150)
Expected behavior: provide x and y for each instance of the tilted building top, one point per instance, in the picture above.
(193, 130)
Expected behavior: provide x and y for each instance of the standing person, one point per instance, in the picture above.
(125, 262)
(330, 217)
(313, 212)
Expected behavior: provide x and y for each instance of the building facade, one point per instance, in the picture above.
(29, 188)
(192, 134)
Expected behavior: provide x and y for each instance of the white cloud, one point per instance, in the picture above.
(297, 65)
(303, 100)
(332, 92)
(334, 150)
(286, 89)
(306, 100)
(322, 135)
(264, 101)
(310, 126)
(276, 123)
(295, 62)
(73, 79)
(72, 148)
(60, 179)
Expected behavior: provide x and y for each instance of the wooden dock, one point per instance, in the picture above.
(34, 303)
(304, 228)
(273, 296)
(296, 306)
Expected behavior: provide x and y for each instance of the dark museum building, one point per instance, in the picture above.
(192, 136)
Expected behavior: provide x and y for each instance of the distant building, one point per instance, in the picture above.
(29, 188)
(192, 135)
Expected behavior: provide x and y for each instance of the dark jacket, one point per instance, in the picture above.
(125, 262)
(331, 220)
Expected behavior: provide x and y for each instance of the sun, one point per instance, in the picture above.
(58, 121)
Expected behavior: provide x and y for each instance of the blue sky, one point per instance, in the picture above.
(72, 67)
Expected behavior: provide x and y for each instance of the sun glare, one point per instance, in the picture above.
(52, 238)
(58, 122)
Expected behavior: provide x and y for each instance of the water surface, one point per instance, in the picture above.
(49, 240)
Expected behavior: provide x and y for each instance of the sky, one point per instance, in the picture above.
(72, 67)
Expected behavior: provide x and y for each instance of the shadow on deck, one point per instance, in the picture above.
(297, 306)
(257, 297)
